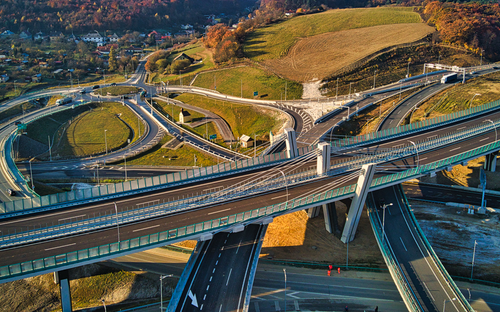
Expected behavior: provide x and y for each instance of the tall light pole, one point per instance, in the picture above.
(374, 76)
(350, 85)
(106, 141)
(241, 87)
(470, 103)
(161, 289)
(104, 304)
(496, 134)
(337, 90)
(383, 219)
(473, 259)
(117, 223)
(284, 272)
(416, 150)
(125, 160)
(15, 88)
(408, 70)
(31, 175)
(444, 303)
(481, 64)
(286, 185)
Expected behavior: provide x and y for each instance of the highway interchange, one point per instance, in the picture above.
(74, 243)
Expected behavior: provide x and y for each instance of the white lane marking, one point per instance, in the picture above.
(204, 297)
(83, 215)
(423, 158)
(292, 295)
(454, 149)
(484, 139)
(208, 286)
(403, 243)
(219, 255)
(238, 247)
(146, 228)
(220, 309)
(279, 196)
(211, 277)
(229, 276)
(201, 308)
(213, 271)
(219, 211)
(428, 291)
(461, 128)
(217, 262)
(60, 246)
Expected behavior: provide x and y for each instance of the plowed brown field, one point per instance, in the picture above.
(322, 55)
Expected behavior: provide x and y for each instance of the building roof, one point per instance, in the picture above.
(245, 138)
(184, 56)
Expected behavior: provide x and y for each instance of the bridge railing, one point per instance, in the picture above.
(390, 259)
(141, 185)
(108, 251)
(371, 137)
(429, 248)
(153, 209)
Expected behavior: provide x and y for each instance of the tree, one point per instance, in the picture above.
(113, 65)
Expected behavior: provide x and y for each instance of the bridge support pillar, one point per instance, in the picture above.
(330, 215)
(358, 201)
(313, 212)
(490, 163)
(62, 278)
(291, 143)
(324, 156)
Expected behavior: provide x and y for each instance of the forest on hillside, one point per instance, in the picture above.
(84, 15)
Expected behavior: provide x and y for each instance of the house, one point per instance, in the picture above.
(184, 116)
(56, 35)
(155, 35)
(43, 64)
(113, 38)
(246, 141)
(4, 78)
(107, 48)
(25, 35)
(184, 56)
(73, 38)
(36, 78)
(93, 37)
(6, 33)
(40, 36)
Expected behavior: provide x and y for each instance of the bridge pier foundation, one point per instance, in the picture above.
(291, 143)
(490, 162)
(313, 212)
(358, 201)
(330, 215)
(62, 278)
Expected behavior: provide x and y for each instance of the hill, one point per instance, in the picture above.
(85, 15)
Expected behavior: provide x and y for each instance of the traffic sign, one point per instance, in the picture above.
(22, 126)
(255, 93)
(213, 136)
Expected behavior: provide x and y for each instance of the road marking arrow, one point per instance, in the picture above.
(193, 298)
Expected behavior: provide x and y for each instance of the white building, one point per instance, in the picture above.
(94, 37)
(113, 38)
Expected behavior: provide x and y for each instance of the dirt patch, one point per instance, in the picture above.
(320, 56)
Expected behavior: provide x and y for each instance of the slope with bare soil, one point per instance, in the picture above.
(322, 55)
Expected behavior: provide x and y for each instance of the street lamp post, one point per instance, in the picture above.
(117, 223)
(416, 150)
(374, 76)
(496, 134)
(31, 175)
(473, 259)
(286, 185)
(444, 303)
(161, 289)
(106, 141)
(383, 219)
(408, 70)
(104, 304)
(15, 88)
(337, 90)
(125, 160)
(284, 272)
(470, 103)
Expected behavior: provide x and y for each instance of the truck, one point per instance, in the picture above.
(449, 78)
(66, 100)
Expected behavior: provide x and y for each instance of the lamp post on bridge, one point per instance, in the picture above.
(470, 103)
(161, 289)
(416, 150)
(444, 303)
(384, 206)
(496, 134)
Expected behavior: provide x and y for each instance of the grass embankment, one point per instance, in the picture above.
(459, 97)
(243, 119)
(198, 52)
(117, 90)
(81, 131)
(16, 110)
(183, 156)
(244, 81)
(275, 41)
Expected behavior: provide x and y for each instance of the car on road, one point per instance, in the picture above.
(11, 192)
(113, 84)
(96, 87)
(83, 91)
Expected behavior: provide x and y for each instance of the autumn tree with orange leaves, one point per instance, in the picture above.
(223, 41)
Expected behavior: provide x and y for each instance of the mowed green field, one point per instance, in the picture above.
(274, 41)
(244, 81)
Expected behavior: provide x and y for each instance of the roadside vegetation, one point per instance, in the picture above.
(245, 80)
(242, 119)
(117, 90)
(81, 131)
(16, 111)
